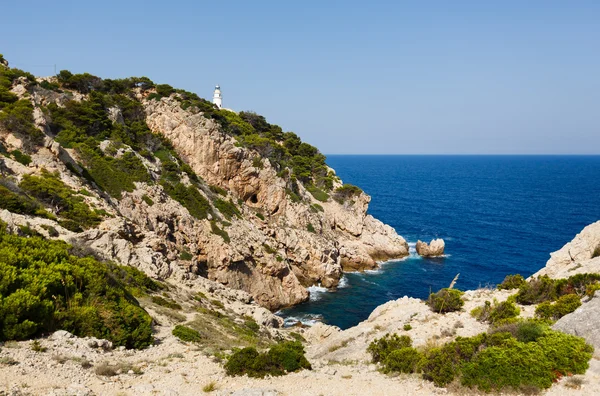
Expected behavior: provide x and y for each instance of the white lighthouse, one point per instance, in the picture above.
(217, 97)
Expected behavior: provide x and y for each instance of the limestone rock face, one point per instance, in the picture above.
(581, 255)
(344, 236)
(583, 322)
(275, 249)
(434, 248)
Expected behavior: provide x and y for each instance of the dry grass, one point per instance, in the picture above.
(110, 370)
(343, 344)
(210, 387)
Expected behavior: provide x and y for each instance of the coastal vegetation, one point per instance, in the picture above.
(446, 300)
(512, 357)
(280, 359)
(496, 312)
(44, 287)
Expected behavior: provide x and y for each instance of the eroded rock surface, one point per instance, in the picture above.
(434, 248)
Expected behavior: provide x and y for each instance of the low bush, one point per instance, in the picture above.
(317, 193)
(189, 197)
(113, 175)
(512, 282)
(45, 288)
(49, 189)
(345, 192)
(554, 311)
(543, 288)
(158, 300)
(20, 203)
(227, 208)
(280, 359)
(446, 300)
(20, 157)
(186, 334)
(382, 347)
(310, 228)
(218, 231)
(496, 312)
(404, 360)
(17, 117)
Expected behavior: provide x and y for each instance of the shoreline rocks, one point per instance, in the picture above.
(434, 248)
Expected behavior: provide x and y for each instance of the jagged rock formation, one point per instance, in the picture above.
(273, 250)
(434, 248)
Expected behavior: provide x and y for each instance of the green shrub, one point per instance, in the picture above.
(148, 200)
(528, 330)
(590, 290)
(345, 192)
(114, 175)
(227, 208)
(566, 353)
(189, 197)
(260, 216)
(403, 360)
(49, 189)
(446, 300)
(20, 157)
(515, 364)
(407, 327)
(44, 288)
(282, 358)
(382, 347)
(257, 163)
(218, 190)
(512, 365)
(18, 203)
(543, 288)
(317, 193)
(217, 231)
(17, 117)
(186, 255)
(512, 282)
(186, 334)
(310, 228)
(564, 305)
(439, 365)
(252, 325)
(596, 252)
(496, 312)
(158, 300)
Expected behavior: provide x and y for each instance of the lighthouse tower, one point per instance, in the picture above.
(217, 97)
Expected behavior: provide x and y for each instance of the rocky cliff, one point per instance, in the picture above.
(175, 193)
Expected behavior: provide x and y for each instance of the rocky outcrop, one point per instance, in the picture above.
(273, 251)
(583, 322)
(434, 248)
(581, 255)
(312, 246)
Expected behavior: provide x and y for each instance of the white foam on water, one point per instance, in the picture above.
(343, 282)
(316, 292)
(306, 319)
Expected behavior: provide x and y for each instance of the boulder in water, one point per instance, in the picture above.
(434, 248)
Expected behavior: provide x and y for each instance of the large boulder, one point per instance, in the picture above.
(434, 248)
(583, 322)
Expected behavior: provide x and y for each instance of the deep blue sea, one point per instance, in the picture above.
(499, 215)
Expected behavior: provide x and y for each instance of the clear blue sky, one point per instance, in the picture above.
(377, 77)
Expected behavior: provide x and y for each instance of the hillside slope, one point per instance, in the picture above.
(160, 179)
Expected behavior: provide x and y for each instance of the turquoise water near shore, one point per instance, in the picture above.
(499, 215)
